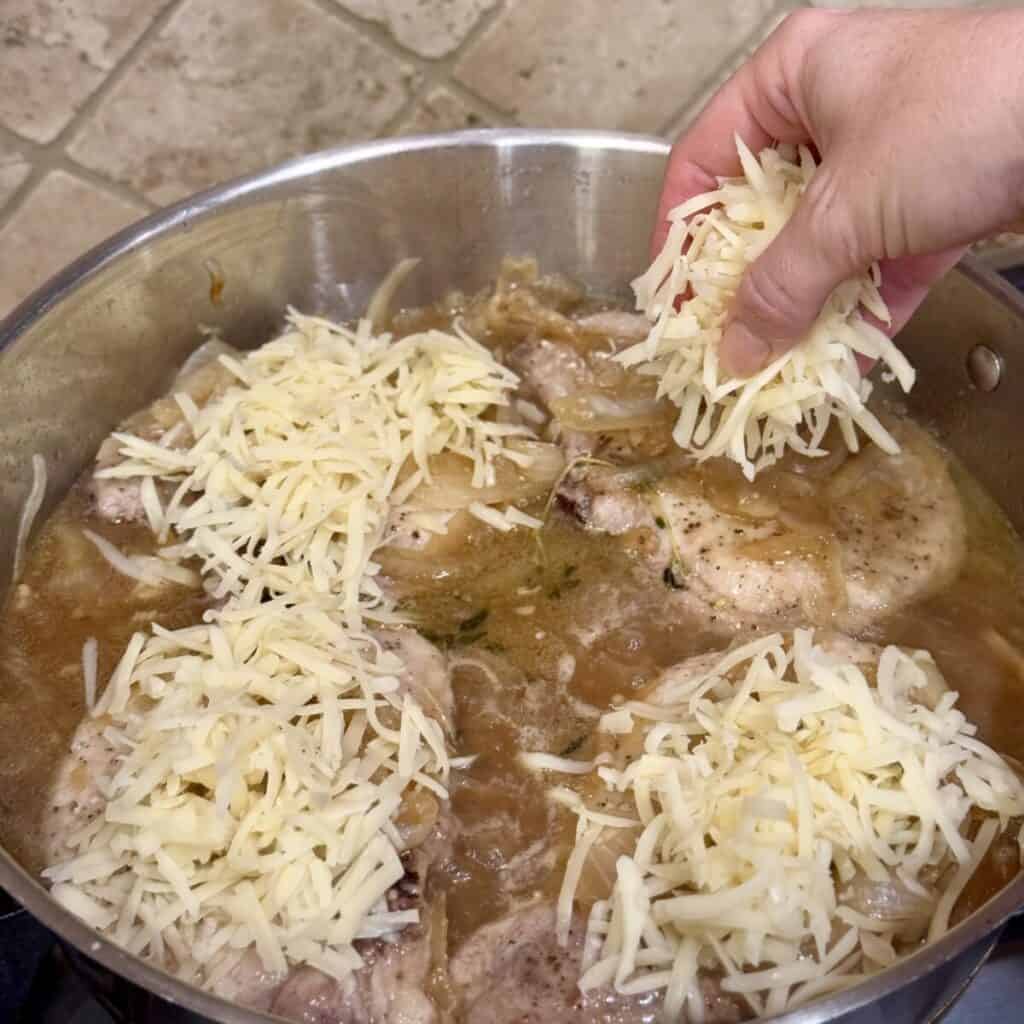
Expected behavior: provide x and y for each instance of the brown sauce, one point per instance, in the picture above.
(524, 624)
(67, 594)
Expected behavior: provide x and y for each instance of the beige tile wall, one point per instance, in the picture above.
(110, 108)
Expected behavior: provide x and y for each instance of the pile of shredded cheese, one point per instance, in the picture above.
(255, 790)
(295, 473)
(263, 755)
(713, 238)
(768, 784)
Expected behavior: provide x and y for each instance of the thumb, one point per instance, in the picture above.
(785, 288)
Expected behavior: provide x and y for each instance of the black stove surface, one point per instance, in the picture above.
(42, 983)
(1015, 275)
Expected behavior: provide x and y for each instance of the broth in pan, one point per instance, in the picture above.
(598, 571)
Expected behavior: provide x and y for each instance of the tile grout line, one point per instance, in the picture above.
(444, 69)
(477, 103)
(53, 155)
(120, 69)
(731, 60)
(63, 162)
(49, 157)
(435, 72)
(432, 71)
(11, 137)
(367, 30)
(41, 167)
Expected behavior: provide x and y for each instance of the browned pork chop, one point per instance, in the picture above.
(513, 971)
(202, 377)
(895, 534)
(593, 406)
(392, 986)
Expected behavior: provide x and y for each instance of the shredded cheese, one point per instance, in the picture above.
(292, 473)
(90, 667)
(264, 755)
(792, 401)
(767, 784)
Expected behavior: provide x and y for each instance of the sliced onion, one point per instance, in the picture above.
(727, 491)
(596, 413)
(935, 688)
(417, 817)
(820, 468)
(615, 323)
(598, 875)
(452, 483)
(378, 312)
(207, 353)
(890, 902)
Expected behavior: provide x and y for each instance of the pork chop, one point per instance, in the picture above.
(513, 971)
(390, 989)
(594, 406)
(392, 986)
(77, 794)
(891, 531)
(551, 370)
(554, 369)
(201, 378)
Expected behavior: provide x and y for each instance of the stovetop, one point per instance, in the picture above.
(40, 983)
(1015, 275)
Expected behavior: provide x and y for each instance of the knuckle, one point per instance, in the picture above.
(834, 230)
(797, 23)
(803, 25)
(770, 303)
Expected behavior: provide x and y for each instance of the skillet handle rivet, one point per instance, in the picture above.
(984, 368)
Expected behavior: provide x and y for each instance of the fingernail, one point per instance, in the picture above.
(743, 353)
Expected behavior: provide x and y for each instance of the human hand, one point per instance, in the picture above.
(918, 118)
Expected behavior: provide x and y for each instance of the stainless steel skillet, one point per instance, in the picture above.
(103, 338)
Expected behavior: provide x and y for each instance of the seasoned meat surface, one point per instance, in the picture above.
(425, 675)
(551, 369)
(554, 373)
(117, 501)
(201, 378)
(77, 794)
(391, 988)
(513, 971)
(895, 533)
